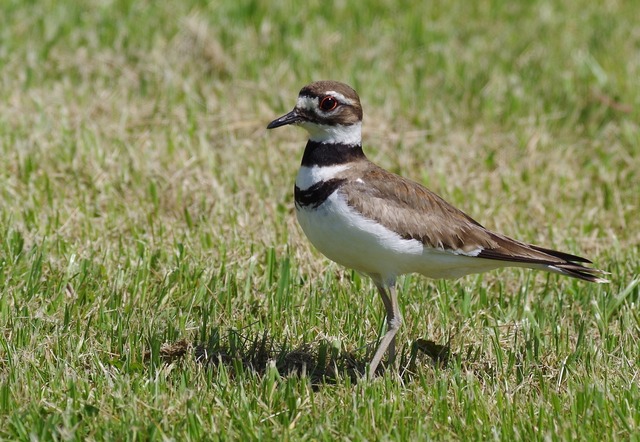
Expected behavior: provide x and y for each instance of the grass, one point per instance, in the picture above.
(154, 283)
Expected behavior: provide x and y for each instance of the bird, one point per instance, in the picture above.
(382, 225)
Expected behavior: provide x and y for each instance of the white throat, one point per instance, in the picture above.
(335, 133)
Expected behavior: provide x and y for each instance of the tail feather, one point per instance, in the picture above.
(566, 256)
(580, 272)
(529, 255)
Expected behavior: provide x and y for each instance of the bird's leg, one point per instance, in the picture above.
(394, 320)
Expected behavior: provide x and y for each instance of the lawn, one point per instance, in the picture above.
(154, 283)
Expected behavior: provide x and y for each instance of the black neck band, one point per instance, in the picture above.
(330, 154)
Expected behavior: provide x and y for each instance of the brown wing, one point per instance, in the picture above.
(415, 212)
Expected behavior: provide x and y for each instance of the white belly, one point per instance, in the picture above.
(346, 237)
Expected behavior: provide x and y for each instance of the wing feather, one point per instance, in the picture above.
(415, 212)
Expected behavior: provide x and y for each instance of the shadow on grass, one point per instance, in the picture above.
(320, 361)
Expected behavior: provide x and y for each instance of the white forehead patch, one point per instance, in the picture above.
(308, 103)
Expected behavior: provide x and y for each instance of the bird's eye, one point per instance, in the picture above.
(328, 103)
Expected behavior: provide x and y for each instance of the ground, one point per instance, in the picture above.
(153, 281)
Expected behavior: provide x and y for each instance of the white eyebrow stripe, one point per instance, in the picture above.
(341, 97)
(311, 103)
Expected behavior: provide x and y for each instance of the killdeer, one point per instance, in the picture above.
(382, 225)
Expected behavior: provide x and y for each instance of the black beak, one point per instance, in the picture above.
(292, 117)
